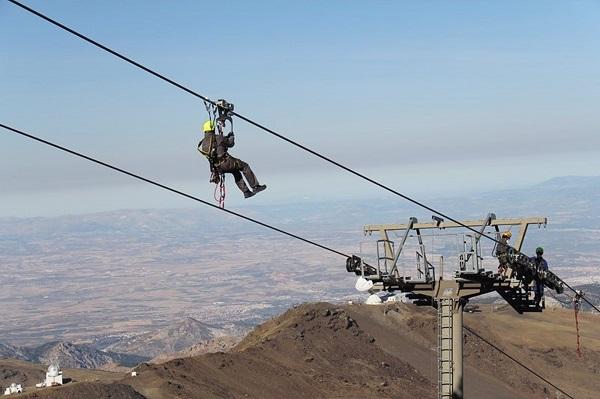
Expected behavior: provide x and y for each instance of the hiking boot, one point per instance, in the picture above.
(248, 194)
(260, 188)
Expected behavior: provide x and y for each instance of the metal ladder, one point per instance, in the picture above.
(445, 336)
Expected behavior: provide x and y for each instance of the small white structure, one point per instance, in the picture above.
(374, 299)
(53, 376)
(13, 388)
(401, 297)
(363, 285)
(134, 373)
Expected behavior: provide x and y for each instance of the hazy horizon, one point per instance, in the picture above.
(155, 198)
(426, 97)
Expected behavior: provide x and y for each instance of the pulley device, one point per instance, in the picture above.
(218, 116)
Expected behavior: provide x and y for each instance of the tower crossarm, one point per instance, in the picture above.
(523, 223)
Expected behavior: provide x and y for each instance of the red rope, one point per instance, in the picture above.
(220, 192)
(576, 305)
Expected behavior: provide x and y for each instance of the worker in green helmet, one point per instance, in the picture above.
(215, 147)
(541, 267)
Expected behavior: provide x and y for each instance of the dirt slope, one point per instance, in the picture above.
(545, 342)
(218, 344)
(312, 351)
(20, 372)
(87, 390)
(174, 338)
(360, 351)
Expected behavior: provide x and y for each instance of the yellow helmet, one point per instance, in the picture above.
(507, 234)
(208, 126)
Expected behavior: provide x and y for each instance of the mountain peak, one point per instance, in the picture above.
(565, 182)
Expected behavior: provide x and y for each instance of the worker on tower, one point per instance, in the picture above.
(502, 252)
(215, 147)
(541, 267)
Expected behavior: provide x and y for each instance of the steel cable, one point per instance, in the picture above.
(91, 159)
(261, 126)
(517, 361)
(244, 118)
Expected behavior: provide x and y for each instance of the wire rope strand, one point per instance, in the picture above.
(115, 168)
(160, 185)
(244, 118)
(517, 362)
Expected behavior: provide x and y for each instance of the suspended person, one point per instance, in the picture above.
(215, 147)
(541, 267)
(502, 252)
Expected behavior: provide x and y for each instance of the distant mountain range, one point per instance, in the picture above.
(124, 279)
(174, 338)
(69, 355)
(567, 201)
(188, 336)
(12, 352)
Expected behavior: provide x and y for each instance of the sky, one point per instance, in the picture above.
(429, 97)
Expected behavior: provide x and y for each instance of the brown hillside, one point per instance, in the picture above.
(388, 351)
(87, 390)
(20, 372)
(544, 342)
(312, 351)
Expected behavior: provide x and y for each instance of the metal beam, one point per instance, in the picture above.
(370, 228)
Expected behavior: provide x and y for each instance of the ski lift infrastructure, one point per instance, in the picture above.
(429, 285)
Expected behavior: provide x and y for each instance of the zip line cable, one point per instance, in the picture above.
(30, 136)
(260, 126)
(517, 361)
(246, 119)
(120, 170)
(274, 133)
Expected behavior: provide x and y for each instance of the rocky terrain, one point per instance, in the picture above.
(70, 355)
(360, 351)
(21, 372)
(310, 351)
(89, 390)
(219, 344)
(175, 338)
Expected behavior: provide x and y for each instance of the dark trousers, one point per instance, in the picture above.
(538, 289)
(238, 167)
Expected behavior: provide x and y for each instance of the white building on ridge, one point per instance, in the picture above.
(53, 376)
(13, 388)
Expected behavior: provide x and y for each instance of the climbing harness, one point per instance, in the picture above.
(576, 307)
(218, 115)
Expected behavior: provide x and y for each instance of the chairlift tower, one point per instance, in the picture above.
(450, 295)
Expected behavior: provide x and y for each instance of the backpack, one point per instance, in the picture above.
(207, 147)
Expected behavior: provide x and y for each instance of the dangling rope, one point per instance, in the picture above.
(220, 191)
(576, 308)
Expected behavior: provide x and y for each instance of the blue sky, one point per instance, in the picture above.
(425, 96)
